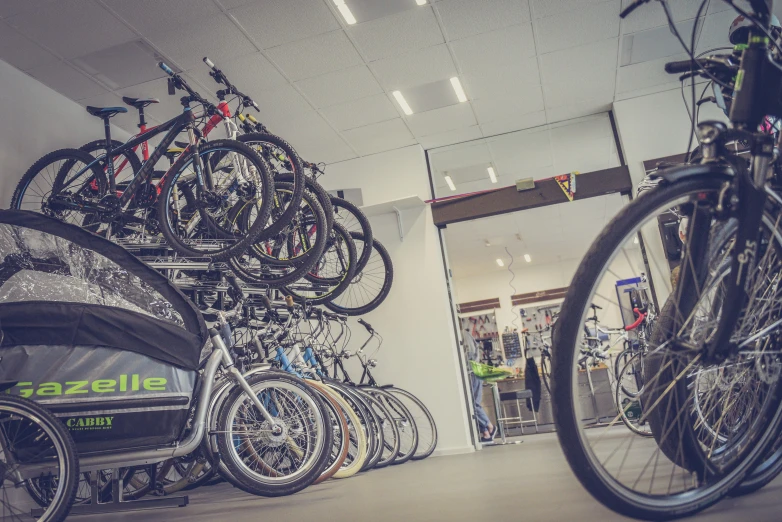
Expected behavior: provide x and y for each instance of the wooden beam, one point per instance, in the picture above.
(475, 306)
(546, 192)
(536, 297)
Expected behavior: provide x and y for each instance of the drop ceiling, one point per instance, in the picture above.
(549, 235)
(326, 86)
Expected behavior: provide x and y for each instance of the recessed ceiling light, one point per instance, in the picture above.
(527, 258)
(402, 103)
(450, 183)
(420, 2)
(492, 175)
(457, 86)
(635, 240)
(499, 262)
(486, 242)
(344, 10)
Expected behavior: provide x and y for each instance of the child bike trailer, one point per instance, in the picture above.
(96, 336)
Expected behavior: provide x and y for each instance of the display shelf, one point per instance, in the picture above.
(395, 206)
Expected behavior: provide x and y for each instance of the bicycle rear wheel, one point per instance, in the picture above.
(339, 426)
(391, 439)
(711, 421)
(37, 449)
(404, 421)
(424, 421)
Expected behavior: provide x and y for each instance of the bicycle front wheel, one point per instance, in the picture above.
(39, 450)
(712, 420)
(423, 419)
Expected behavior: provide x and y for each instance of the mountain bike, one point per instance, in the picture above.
(198, 198)
(712, 403)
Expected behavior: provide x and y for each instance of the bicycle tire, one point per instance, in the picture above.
(424, 422)
(354, 220)
(341, 246)
(404, 422)
(390, 447)
(251, 481)
(358, 298)
(46, 183)
(280, 274)
(243, 238)
(131, 157)
(369, 420)
(324, 198)
(341, 442)
(620, 389)
(35, 422)
(569, 329)
(255, 140)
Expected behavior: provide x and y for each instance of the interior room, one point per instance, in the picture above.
(375, 259)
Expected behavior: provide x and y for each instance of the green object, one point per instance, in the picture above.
(488, 373)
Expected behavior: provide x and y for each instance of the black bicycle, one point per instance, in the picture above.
(194, 205)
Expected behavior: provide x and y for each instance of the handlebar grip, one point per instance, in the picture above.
(266, 302)
(234, 283)
(255, 106)
(366, 325)
(289, 302)
(209, 62)
(632, 7)
(166, 68)
(680, 67)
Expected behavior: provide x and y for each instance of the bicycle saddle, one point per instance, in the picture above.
(139, 103)
(105, 112)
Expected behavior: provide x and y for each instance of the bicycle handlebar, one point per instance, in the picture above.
(219, 77)
(168, 70)
(637, 322)
(632, 7)
(366, 325)
(683, 66)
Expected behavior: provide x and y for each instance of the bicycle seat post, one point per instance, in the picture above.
(109, 157)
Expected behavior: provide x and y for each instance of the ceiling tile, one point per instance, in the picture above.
(152, 18)
(340, 86)
(426, 66)
(168, 107)
(646, 74)
(315, 56)
(281, 103)
(430, 96)
(450, 137)
(66, 80)
(519, 151)
(543, 8)
(463, 18)
(122, 65)
(366, 10)
(579, 108)
(233, 4)
(645, 92)
(21, 52)
(654, 16)
(12, 7)
(359, 113)
(502, 81)
(578, 27)
(441, 120)
(460, 156)
(529, 99)
(273, 23)
(379, 137)
(501, 48)
(250, 74)
(715, 31)
(313, 139)
(72, 27)
(396, 34)
(514, 123)
(593, 64)
(214, 36)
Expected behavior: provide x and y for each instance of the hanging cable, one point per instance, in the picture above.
(510, 283)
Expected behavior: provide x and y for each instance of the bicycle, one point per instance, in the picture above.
(200, 193)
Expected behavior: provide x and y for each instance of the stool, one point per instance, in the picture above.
(518, 396)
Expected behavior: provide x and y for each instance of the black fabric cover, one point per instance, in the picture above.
(79, 324)
(194, 322)
(532, 380)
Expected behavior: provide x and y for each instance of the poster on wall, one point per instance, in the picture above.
(483, 326)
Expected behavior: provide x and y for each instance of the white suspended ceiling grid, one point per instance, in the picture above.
(326, 86)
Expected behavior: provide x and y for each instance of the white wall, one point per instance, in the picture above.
(35, 120)
(420, 352)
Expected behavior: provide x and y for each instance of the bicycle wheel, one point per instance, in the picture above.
(126, 165)
(320, 193)
(282, 160)
(58, 183)
(281, 456)
(369, 423)
(205, 226)
(391, 440)
(368, 288)
(340, 441)
(545, 372)
(427, 429)
(289, 255)
(704, 442)
(405, 424)
(332, 273)
(350, 216)
(36, 448)
(629, 387)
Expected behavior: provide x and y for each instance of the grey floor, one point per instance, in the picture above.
(529, 482)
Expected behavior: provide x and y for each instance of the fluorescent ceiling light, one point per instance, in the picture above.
(527, 258)
(420, 2)
(344, 10)
(450, 183)
(499, 262)
(492, 175)
(402, 103)
(457, 86)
